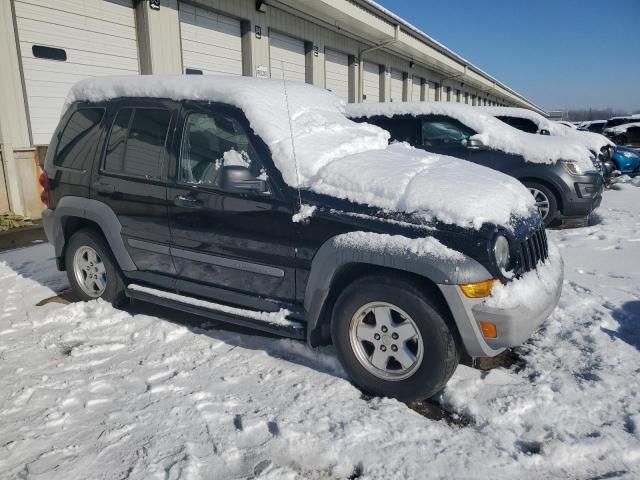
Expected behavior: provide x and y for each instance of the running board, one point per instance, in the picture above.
(276, 323)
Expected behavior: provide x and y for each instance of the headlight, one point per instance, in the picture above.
(626, 154)
(501, 252)
(572, 167)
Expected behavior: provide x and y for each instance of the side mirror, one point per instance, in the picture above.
(545, 132)
(238, 178)
(474, 144)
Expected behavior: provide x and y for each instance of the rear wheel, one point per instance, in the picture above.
(545, 201)
(91, 268)
(392, 339)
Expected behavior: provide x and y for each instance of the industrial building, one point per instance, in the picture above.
(355, 48)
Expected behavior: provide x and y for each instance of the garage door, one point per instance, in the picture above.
(288, 53)
(371, 82)
(66, 41)
(416, 89)
(336, 73)
(396, 85)
(211, 43)
(431, 94)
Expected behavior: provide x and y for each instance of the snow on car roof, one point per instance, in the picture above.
(593, 141)
(334, 155)
(491, 131)
(621, 128)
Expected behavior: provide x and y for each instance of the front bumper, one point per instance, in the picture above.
(575, 204)
(513, 325)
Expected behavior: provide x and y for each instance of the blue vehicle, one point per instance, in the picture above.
(626, 160)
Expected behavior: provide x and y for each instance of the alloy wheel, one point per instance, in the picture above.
(386, 341)
(90, 271)
(542, 201)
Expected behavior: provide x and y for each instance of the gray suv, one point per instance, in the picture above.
(562, 190)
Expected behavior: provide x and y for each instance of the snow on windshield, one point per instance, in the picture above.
(335, 155)
(593, 141)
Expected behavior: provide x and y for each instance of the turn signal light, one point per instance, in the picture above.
(477, 289)
(488, 330)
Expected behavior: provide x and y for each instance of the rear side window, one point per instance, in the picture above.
(523, 124)
(79, 139)
(137, 142)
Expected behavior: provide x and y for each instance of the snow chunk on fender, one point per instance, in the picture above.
(526, 290)
(398, 244)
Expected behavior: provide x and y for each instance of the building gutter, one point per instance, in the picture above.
(361, 60)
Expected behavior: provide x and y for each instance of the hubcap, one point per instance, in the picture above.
(542, 201)
(90, 271)
(386, 341)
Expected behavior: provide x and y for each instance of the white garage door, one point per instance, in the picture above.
(65, 41)
(211, 43)
(371, 82)
(431, 94)
(416, 89)
(288, 53)
(396, 85)
(336, 73)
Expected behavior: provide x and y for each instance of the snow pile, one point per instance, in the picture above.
(525, 291)
(305, 212)
(398, 244)
(593, 141)
(335, 155)
(491, 131)
(621, 128)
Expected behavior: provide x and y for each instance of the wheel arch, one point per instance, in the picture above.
(73, 213)
(335, 266)
(555, 190)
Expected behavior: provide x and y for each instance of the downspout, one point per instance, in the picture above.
(361, 60)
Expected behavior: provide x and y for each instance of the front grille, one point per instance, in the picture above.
(532, 250)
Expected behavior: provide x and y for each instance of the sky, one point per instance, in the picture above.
(558, 53)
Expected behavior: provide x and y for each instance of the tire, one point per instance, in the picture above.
(545, 200)
(435, 347)
(103, 267)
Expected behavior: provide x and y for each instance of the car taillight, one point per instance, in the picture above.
(44, 183)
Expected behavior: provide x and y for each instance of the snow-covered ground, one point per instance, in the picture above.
(87, 391)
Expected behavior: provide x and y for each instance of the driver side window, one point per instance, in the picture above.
(210, 142)
(441, 132)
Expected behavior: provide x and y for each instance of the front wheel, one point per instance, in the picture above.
(91, 268)
(392, 339)
(545, 201)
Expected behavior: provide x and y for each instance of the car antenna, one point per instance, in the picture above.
(293, 143)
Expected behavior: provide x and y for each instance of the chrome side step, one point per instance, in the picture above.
(276, 323)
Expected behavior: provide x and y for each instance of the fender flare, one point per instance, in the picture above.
(99, 213)
(332, 257)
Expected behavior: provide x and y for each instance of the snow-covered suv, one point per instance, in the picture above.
(259, 203)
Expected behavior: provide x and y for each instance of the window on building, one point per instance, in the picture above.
(193, 71)
(78, 141)
(49, 53)
(211, 142)
(137, 142)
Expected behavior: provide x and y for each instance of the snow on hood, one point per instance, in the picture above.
(621, 128)
(593, 141)
(336, 156)
(491, 131)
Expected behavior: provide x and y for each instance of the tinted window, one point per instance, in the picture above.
(523, 124)
(137, 141)
(79, 139)
(211, 141)
(401, 129)
(443, 131)
(595, 127)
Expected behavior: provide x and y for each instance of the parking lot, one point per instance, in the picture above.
(88, 391)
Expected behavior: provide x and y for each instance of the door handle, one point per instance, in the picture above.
(186, 201)
(104, 188)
